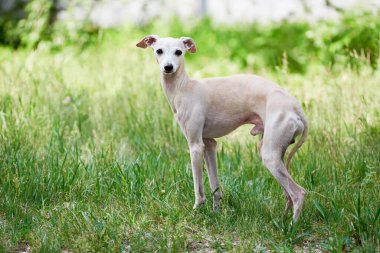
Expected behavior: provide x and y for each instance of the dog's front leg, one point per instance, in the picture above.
(191, 122)
(196, 153)
(212, 169)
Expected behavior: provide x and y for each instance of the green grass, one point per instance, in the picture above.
(92, 160)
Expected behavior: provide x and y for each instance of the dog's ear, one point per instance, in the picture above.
(189, 44)
(147, 41)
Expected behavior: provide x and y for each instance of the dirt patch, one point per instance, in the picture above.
(23, 246)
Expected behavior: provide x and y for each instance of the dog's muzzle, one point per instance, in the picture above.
(168, 68)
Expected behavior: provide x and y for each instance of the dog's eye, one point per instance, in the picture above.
(159, 51)
(178, 52)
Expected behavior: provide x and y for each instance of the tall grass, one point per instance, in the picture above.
(91, 159)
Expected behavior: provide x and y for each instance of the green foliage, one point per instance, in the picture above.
(35, 27)
(8, 23)
(73, 32)
(347, 42)
(254, 45)
(344, 42)
(40, 26)
(91, 160)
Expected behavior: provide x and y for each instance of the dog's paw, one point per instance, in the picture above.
(216, 206)
(198, 203)
(216, 203)
(297, 206)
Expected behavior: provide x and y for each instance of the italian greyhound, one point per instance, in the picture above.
(210, 108)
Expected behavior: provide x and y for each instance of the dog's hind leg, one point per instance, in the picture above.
(279, 132)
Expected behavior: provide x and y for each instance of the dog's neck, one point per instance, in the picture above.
(173, 83)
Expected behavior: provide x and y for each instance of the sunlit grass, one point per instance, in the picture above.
(92, 160)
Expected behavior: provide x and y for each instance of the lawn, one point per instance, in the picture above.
(92, 160)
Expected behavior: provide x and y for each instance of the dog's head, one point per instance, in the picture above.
(168, 51)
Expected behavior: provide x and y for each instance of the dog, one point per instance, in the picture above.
(210, 108)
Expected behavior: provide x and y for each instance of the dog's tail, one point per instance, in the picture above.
(300, 142)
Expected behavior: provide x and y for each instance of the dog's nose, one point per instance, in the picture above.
(168, 68)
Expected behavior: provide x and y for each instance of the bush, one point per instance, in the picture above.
(289, 45)
(349, 41)
(38, 24)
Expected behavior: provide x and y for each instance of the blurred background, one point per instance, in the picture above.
(255, 33)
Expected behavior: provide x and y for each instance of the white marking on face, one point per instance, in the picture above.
(169, 54)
